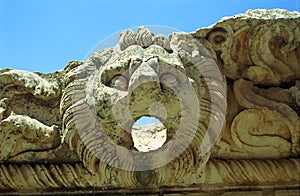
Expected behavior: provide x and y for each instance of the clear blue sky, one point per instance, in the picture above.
(43, 35)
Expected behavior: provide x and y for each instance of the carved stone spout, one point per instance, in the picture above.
(226, 98)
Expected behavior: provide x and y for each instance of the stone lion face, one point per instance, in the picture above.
(144, 75)
(141, 82)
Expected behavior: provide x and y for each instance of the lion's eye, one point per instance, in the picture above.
(168, 79)
(119, 82)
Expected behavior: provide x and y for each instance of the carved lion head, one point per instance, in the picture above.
(173, 78)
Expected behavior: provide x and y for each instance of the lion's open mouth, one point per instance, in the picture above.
(150, 134)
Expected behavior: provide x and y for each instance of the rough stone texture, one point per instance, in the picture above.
(260, 45)
(47, 119)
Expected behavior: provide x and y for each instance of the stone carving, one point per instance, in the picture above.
(259, 45)
(124, 85)
(265, 129)
(30, 122)
(295, 92)
(72, 129)
(27, 134)
(224, 174)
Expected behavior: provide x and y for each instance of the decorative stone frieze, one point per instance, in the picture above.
(227, 98)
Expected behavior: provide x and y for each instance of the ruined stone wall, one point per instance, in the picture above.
(227, 97)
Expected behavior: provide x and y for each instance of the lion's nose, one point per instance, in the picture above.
(145, 79)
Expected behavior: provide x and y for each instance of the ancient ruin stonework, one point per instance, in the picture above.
(227, 98)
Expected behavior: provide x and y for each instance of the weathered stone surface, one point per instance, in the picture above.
(72, 130)
(260, 45)
(122, 89)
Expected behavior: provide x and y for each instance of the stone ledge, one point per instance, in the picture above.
(234, 176)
